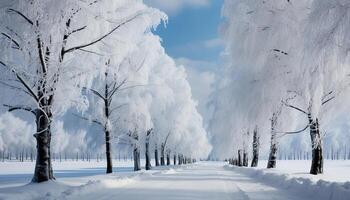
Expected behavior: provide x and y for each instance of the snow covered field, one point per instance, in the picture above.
(203, 180)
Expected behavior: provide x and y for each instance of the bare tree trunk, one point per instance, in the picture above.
(174, 159)
(168, 157)
(137, 159)
(148, 158)
(43, 167)
(273, 144)
(156, 159)
(256, 145)
(162, 155)
(107, 132)
(109, 168)
(240, 162)
(316, 141)
(245, 158)
(180, 159)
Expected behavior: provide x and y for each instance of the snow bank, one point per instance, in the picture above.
(74, 179)
(321, 189)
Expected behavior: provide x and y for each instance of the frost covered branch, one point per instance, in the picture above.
(102, 37)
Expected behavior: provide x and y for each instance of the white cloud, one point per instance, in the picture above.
(174, 6)
(213, 43)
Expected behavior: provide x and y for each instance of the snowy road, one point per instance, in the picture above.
(200, 181)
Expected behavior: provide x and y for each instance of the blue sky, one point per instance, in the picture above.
(191, 33)
(192, 39)
(192, 30)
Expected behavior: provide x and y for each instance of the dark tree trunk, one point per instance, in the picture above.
(240, 161)
(245, 158)
(109, 168)
(179, 159)
(316, 141)
(162, 155)
(174, 159)
(256, 144)
(168, 158)
(148, 158)
(137, 159)
(156, 159)
(43, 167)
(271, 163)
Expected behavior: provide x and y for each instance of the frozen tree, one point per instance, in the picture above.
(44, 43)
(147, 150)
(255, 145)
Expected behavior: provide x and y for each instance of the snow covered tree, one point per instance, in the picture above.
(255, 145)
(44, 43)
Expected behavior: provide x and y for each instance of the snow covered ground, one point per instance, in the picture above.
(203, 180)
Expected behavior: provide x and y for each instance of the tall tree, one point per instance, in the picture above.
(40, 36)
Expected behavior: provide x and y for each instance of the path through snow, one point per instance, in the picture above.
(201, 181)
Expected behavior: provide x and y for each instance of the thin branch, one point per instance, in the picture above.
(41, 55)
(87, 119)
(21, 14)
(14, 87)
(328, 100)
(77, 30)
(95, 92)
(296, 108)
(102, 37)
(21, 80)
(92, 52)
(116, 108)
(166, 139)
(326, 95)
(115, 89)
(12, 40)
(295, 132)
(25, 108)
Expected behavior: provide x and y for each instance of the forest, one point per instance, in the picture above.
(95, 104)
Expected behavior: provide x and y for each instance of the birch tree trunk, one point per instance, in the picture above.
(316, 142)
(273, 144)
(256, 145)
(109, 168)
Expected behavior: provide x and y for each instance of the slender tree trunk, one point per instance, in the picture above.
(240, 161)
(273, 144)
(109, 168)
(137, 159)
(174, 159)
(148, 158)
(162, 155)
(168, 158)
(43, 167)
(256, 145)
(107, 132)
(245, 158)
(316, 141)
(179, 159)
(156, 159)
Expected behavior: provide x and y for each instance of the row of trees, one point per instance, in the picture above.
(99, 61)
(287, 73)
